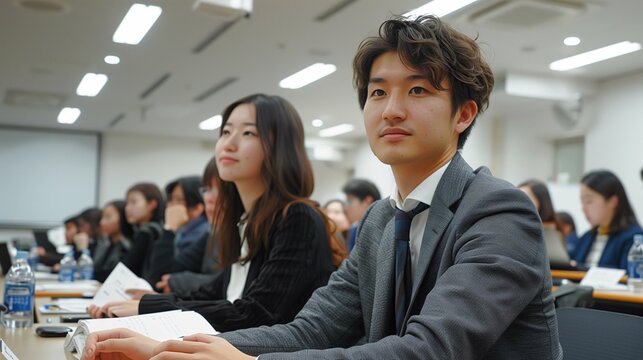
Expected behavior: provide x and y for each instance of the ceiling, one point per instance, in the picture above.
(48, 45)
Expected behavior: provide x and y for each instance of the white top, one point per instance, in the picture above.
(422, 193)
(596, 251)
(239, 272)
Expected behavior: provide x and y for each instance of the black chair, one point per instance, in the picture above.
(587, 334)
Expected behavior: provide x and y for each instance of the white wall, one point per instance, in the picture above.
(127, 159)
(329, 179)
(367, 166)
(614, 141)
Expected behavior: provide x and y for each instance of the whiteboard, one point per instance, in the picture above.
(46, 176)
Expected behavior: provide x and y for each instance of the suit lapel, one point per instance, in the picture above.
(450, 189)
(385, 284)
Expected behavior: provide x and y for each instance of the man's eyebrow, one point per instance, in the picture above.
(379, 80)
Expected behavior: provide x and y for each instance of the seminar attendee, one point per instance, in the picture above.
(476, 284)
(114, 244)
(185, 220)
(273, 241)
(612, 218)
(360, 194)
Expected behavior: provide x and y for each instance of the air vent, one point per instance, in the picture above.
(333, 10)
(116, 120)
(216, 88)
(43, 6)
(526, 13)
(213, 36)
(155, 86)
(34, 99)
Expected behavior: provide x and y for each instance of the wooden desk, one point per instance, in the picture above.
(27, 345)
(621, 296)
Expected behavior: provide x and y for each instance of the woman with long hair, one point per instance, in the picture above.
(613, 222)
(115, 242)
(274, 243)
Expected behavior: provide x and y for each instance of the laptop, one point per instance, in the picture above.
(556, 251)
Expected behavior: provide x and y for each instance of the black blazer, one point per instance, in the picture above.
(280, 280)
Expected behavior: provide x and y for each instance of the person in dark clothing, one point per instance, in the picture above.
(196, 265)
(144, 210)
(185, 220)
(274, 243)
(114, 244)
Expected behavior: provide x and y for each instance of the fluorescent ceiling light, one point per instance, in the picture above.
(68, 115)
(136, 23)
(336, 130)
(438, 8)
(571, 41)
(112, 60)
(306, 76)
(212, 123)
(590, 57)
(317, 123)
(91, 84)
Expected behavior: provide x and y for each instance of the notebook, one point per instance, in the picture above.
(161, 326)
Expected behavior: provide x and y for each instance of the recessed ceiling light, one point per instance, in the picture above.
(112, 60)
(596, 55)
(308, 75)
(317, 123)
(336, 130)
(136, 23)
(438, 8)
(212, 123)
(571, 41)
(68, 115)
(91, 84)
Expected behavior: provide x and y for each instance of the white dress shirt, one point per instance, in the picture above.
(238, 271)
(422, 193)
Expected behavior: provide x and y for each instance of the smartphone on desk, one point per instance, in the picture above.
(73, 318)
(52, 331)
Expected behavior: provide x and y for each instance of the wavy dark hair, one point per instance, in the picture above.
(286, 173)
(607, 184)
(151, 192)
(436, 50)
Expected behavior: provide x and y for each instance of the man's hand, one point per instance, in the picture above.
(199, 347)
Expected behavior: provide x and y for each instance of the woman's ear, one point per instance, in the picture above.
(613, 202)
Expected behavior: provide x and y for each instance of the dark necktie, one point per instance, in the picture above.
(403, 276)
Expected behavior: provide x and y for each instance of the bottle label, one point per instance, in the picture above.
(19, 297)
(635, 269)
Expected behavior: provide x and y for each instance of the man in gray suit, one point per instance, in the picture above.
(451, 266)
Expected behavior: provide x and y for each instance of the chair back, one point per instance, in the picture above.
(588, 334)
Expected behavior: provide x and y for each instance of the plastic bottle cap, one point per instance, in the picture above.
(22, 255)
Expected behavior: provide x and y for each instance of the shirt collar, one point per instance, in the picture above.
(422, 193)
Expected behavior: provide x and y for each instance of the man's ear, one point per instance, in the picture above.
(368, 200)
(465, 115)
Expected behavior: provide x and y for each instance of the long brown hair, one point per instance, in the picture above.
(286, 173)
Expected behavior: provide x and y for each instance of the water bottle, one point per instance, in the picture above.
(18, 294)
(33, 258)
(67, 268)
(635, 265)
(85, 266)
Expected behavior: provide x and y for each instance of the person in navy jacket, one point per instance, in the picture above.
(613, 222)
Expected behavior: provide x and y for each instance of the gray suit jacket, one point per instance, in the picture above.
(482, 288)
